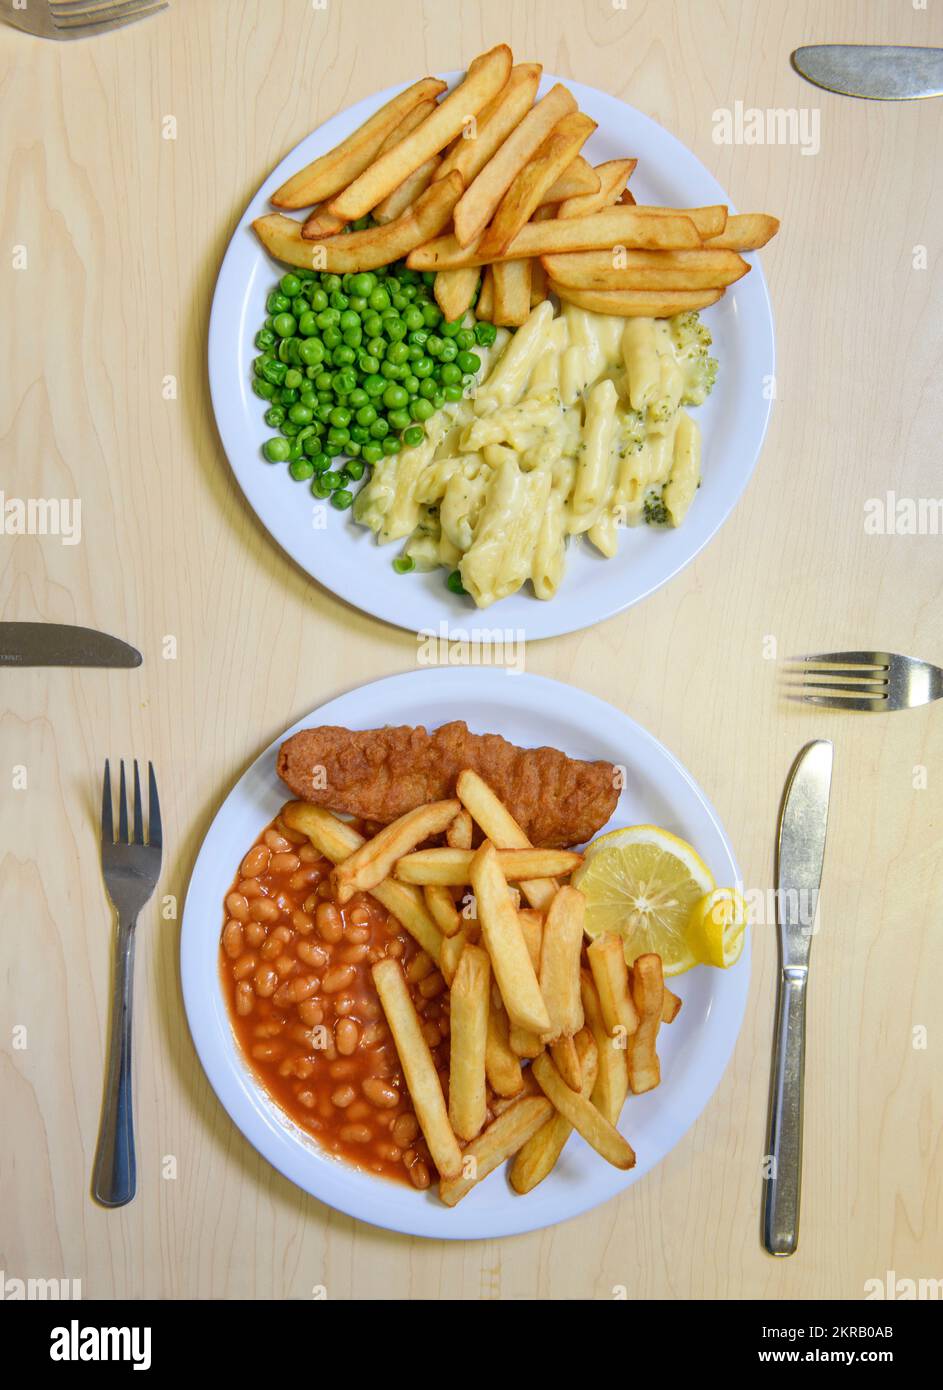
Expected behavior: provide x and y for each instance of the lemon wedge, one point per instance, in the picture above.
(643, 883)
(718, 927)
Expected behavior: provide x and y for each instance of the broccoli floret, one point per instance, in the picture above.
(701, 378)
(654, 510)
(692, 339)
(631, 432)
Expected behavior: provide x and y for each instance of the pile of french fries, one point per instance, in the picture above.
(488, 185)
(546, 1037)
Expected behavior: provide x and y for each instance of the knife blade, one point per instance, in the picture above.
(879, 72)
(800, 854)
(57, 644)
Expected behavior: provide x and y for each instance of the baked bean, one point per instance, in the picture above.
(419, 967)
(359, 916)
(302, 922)
(346, 1036)
(296, 991)
(431, 1033)
(358, 936)
(342, 1096)
(373, 1033)
(266, 982)
(325, 891)
(256, 861)
(344, 1006)
(250, 888)
(309, 855)
(356, 1134)
(237, 906)
(391, 1152)
(285, 965)
(301, 1067)
(395, 949)
(311, 902)
(405, 1128)
(304, 878)
(264, 910)
(380, 1093)
(276, 943)
(233, 939)
(337, 978)
(284, 863)
(431, 986)
(308, 1099)
(267, 1052)
(313, 954)
(353, 955)
(359, 1110)
(419, 1174)
(255, 933)
(245, 966)
(276, 843)
(310, 1013)
(294, 837)
(245, 1000)
(371, 1009)
(329, 922)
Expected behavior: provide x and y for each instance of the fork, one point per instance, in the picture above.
(77, 19)
(130, 866)
(872, 681)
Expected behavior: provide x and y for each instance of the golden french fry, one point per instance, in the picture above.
(406, 194)
(655, 304)
(425, 1090)
(579, 179)
(374, 860)
(459, 833)
(477, 205)
(502, 1067)
(671, 1006)
(612, 177)
(538, 283)
(504, 940)
(454, 291)
(710, 221)
(485, 76)
(503, 1137)
(337, 841)
(331, 172)
(560, 964)
(565, 1059)
(642, 270)
(485, 306)
(648, 996)
(746, 231)
(442, 909)
(536, 1158)
(501, 829)
(511, 293)
(606, 957)
(450, 953)
(322, 224)
(628, 198)
(583, 1115)
(612, 1079)
(524, 1042)
(469, 1007)
(354, 251)
(494, 124)
(450, 867)
(555, 153)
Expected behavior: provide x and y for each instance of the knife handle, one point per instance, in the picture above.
(114, 1181)
(783, 1182)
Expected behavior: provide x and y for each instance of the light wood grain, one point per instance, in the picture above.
(125, 231)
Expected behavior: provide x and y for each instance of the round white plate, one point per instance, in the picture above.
(345, 557)
(694, 1050)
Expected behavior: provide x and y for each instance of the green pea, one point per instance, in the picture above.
(366, 415)
(368, 364)
(359, 434)
(284, 325)
(397, 352)
(465, 340)
(354, 469)
(319, 300)
(372, 325)
(395, 329)
(344, 382)
(454, 582)
(352, 337)
(331, 338)
(307, 324)
(391, 445)
(403, 564)
(414, 435)
(394, 397)
(449, 351)
(320, 487)
(453, 393)
(393, 371)
(299, 306)
(311, 352)
(358, 303)
(379, 429)
(274, 416)
(265, 338)
(290, 285)
(277, 303)
(451, 329)
(363, 283)
(339, 301)
(377, 347)
(372, 453)
(357, 399)
(419, 338)
(341, 499)
(340, 416)
(277, 449)
(431, 315)
(423, 367)
(469, 362)
(410, 384)
(263, 388)
(374, 385)
(399, 419)
(485, 333)
(331, 283)
(344, 356)
(428, 388)
(293, 379)
(301, 470)
(421, 409)
(379, 299)
(450, 374)
(299, 414)
(434, 344)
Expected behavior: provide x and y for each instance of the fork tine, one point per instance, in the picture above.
(154, 832)
(871, 706)
(138, 811)
(873, 674)
(876, 660)
(873, 692)
(123, 811)
(108, 829)
(101, 20)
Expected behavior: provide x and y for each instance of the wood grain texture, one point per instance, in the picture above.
(125, 231)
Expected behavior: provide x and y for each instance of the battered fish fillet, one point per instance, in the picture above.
(380, 774)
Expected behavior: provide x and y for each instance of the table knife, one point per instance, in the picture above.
(881, 72)
(55, 644)
(800, 850)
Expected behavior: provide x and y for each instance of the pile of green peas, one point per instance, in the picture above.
(354, 365)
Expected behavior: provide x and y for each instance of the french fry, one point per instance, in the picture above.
(477, 205)
(505, 943)
(648, 996)
(567, 1062)
(612, 176)
(656, 304)
(511, 293)
(501, 829)
(354, 251)
(643, 270)
(459, 833)
(606, 957)
(538, 283)
(415, 184)
(331, 172)
(628, 198)
(671, 1006)
(425, 1090)
(582, 1115)
(502, 1067)
(450, 867)
(442, 909)
(486, 75)
(450, 953)
(536, 1158)
(579, 179)
(503, 1137)
(374, 860)
(524, 1042)
(746, 231)
(485, 306)
(470, 153)
(469, 1005)
(615, 226)
(454, 291)
(612, 1078)
(709, 221)
(556, 152)
(337, 840)
(322, 224)
(560, 965)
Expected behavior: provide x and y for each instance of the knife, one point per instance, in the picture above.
(54, 644)
(800, 850)
(882, 72)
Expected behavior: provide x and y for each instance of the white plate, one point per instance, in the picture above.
(345, 557)
(529, 710)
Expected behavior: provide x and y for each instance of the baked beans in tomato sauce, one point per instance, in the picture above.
(295, 969)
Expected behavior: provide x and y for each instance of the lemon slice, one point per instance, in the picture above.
(643, 883)
(718, 927)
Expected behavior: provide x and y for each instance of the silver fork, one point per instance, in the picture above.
(77, 19)
(131, 867)
(872, 681)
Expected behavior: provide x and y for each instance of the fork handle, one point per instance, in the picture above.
(784, 1144)
(114, 1180)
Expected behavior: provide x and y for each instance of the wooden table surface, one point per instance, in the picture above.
(123, 231)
